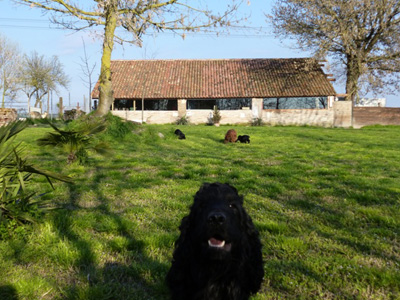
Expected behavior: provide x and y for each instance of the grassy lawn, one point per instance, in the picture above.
(326, 203)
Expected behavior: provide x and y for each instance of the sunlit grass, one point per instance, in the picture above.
(326, 203)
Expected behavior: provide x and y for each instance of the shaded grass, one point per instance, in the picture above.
(326, 203)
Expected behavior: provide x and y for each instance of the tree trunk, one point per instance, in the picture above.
(352, 76)
(4, 90)
(3, 96)
(106, 92)
(37, 101)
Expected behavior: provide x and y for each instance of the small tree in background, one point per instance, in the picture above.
(87, 70)
(39, 76)
(10, 60)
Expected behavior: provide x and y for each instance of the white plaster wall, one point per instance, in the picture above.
(150, 117)
(194, 116)
(227, 116)
(312, 117)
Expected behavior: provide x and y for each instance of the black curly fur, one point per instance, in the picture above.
(180, 134)
(230, 268)
(243, 139)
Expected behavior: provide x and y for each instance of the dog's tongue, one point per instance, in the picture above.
(213, 242)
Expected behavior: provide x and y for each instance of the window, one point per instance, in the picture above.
(296, 103)
(201, 104)
(222, 104)
(163, 104)
(159, 104)
(123, 104)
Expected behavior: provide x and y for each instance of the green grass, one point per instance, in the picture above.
(326, 203)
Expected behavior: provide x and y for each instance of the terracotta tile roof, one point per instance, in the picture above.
(218, 78)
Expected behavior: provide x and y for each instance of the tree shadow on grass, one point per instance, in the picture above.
(120, 273)
(288, 278)
(8, 292)
(352, 240)
(348, 232)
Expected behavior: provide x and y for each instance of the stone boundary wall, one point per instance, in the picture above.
(7, 115)
(364, 116)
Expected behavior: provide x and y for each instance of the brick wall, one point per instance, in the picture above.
(7, 115)
(364, 116)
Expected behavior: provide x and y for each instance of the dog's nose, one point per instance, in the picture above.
(217, 218)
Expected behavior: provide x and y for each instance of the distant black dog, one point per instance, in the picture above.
(218, 254)
(180, 134)
(243, 139)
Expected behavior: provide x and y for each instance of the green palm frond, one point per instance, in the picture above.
(16, 203)
(77, 141)
(12, 129)
(101, 148)
(97, 129)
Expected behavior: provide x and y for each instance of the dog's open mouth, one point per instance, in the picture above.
(217, 243)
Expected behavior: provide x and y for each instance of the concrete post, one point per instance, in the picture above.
(343, 113)
(257, 107)
(181, 107)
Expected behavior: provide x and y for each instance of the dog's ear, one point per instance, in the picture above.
(234, 195)
(204, 186)
(253, 250)
(252, 238)
(185, 228)
(184, 225)
(251, 230)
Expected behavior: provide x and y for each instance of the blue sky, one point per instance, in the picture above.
(32, 31)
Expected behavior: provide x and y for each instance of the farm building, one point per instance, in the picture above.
(280, 91)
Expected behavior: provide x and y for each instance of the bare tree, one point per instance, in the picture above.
(135, 16)
(361, 36)
(10, 59)
(87, 70)
(39, 76)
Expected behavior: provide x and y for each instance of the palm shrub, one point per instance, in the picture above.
(257, 122)
(216, 116)
(184, 120)
(77, 141)
(116, 127)
(17, 205)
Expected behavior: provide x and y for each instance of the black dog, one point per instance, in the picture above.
(180, 134)
(244, 138)
(218, 254)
